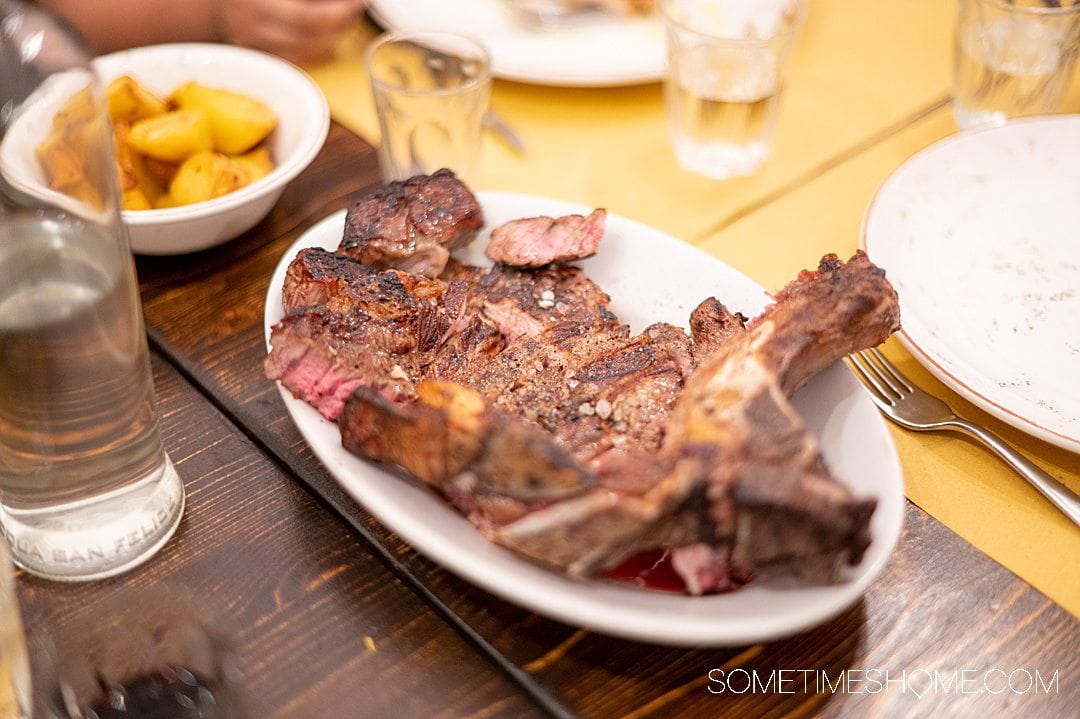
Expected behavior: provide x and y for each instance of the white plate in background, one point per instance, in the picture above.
(598, 51)
(651, 276)
(980, 235)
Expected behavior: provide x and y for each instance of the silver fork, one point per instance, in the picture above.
(907, 405)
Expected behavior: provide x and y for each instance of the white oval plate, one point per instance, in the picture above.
(980, 234)
(651, 276)
(599, 51)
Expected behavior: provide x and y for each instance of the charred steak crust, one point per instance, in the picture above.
(862, 311)
(525, 402)
(413, 225)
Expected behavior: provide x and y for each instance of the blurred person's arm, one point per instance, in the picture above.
(298, 30)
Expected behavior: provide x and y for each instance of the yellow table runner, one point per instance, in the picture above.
(868, 88)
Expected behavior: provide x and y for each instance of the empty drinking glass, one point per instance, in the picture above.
(431, 92)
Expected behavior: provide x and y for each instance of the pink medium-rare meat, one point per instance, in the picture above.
(537, 241)
(322, 356)
(358, 327)
(413, 225)
(524, 401)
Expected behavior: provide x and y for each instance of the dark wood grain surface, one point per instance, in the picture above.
(307, 574)
(322, 626)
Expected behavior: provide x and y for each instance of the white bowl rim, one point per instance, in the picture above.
(276, 178)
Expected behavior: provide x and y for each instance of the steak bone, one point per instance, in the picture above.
(449, 431)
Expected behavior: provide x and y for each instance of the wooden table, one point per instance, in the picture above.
(336, 617)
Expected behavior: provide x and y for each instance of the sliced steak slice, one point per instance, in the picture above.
(413, 225)
(359, 327)
(537, 315)
(322, 356)
(618, 392)
(320, 277)
(538, 241)
(315, 275)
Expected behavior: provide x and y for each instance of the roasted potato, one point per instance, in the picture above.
(239, 122)
(197, 144)
(129, 101)
(78, 110)
(68, 152)
(206, 175)
(257, 162)
(140, 188)
(135, 199)
(125, 160)
(173, 136)
(159, 171)
(62, 161)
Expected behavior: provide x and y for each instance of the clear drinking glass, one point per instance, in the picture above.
(726, 65)
(86, 489)
(431, 91)
(1012, 59)
(152, 652)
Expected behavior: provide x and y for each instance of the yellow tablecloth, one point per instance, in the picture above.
(868, 88)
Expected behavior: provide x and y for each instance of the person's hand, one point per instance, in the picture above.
(302, 31)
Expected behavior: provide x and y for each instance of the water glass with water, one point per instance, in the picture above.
(726, 66)
(86, 488)
(431, 91)
(1012, 58)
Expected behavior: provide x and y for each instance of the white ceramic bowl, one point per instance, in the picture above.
(303, 122)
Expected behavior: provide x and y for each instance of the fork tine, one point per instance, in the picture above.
(885, 382)
(871, 379)
(896, 374)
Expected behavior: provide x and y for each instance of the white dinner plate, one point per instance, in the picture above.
(650, 276)
(597, 51)
(980, 234)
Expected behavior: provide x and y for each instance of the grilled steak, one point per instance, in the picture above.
(525, 402)
(348, 325)
(788, 509)
(736, 460)
(413, 225)
(539, 241)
